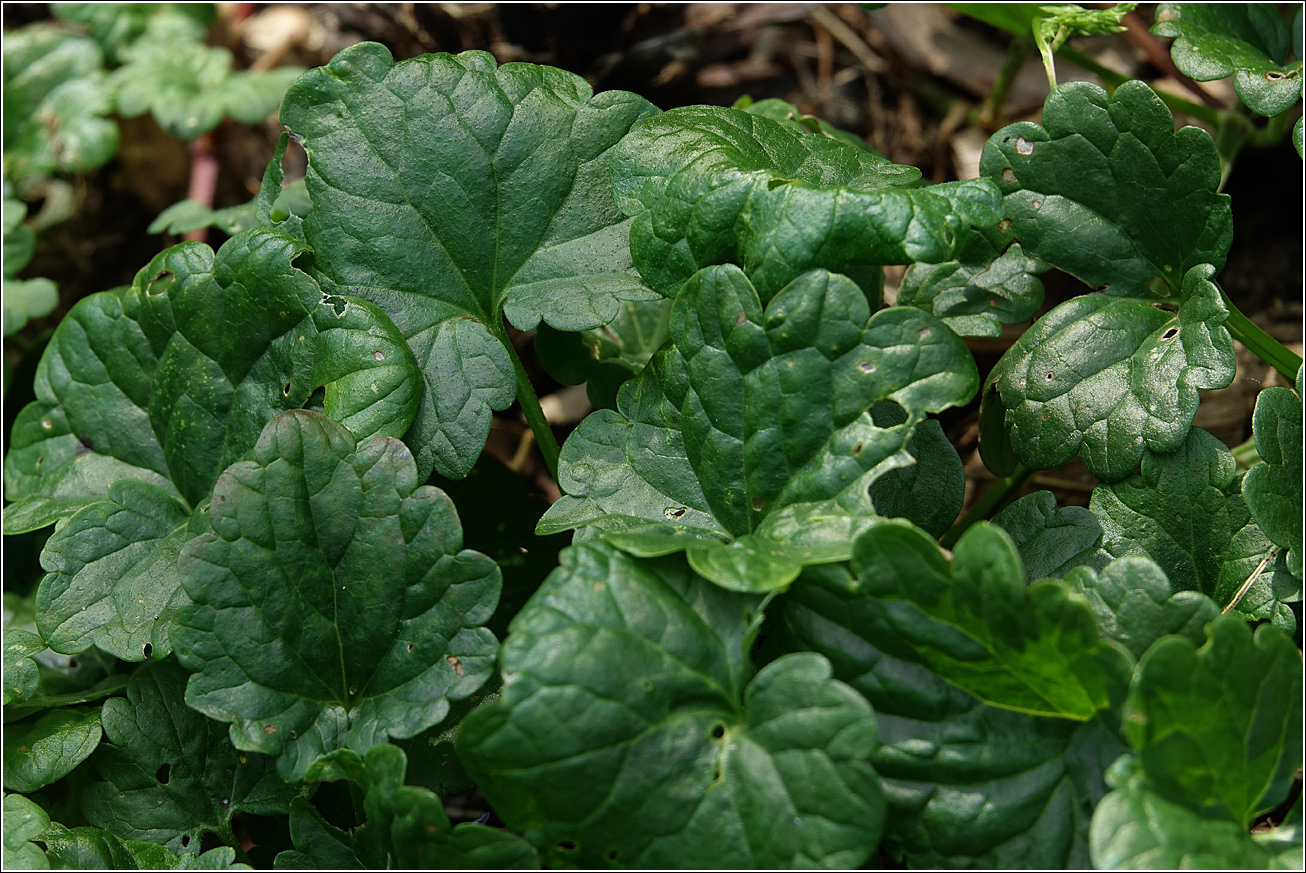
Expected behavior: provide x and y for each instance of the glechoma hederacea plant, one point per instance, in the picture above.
(755, 651)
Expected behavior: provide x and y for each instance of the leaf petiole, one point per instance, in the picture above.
(1000, 493)
(530, 407)
(1260, 343)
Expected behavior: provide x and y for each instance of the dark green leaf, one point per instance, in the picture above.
(1249, 41)
(1136, 829)
(626, 728)
(929, 493)
(87, 848)
(969, 785)
(1135, 604)
(1110, 377)
(1185, 512)
(1273, 490)
(170, 774)
(24, 822)
(409, 823)
(1109, 192)
(788, 114)
(319, 846)
(1035, 650)
(754, 427)
(332, 604)
(606, 357)
(452, 193)
(1052, 541)
(43, 750)
(21, 675)
(709, 186)
(988, 284)
(1219, 729)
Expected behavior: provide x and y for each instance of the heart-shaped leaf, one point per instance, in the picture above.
(626, 734)
(723, 186)
(755, 423)
(331, 604)
(1273, 490)
(452, 193)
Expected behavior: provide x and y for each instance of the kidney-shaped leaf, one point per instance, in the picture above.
(1219, 728)
(1185, 512)
(1108, 191)
(626, 736)
(1249, 41)
(755, 423)
(1273, 490)
(969, 785)
(1036, 649)
(1108, 377)
(170, 774)
(331, 604)
(709, 186)
(451, 193)
(44, 749)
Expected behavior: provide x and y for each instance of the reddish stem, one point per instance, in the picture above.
(203, 177)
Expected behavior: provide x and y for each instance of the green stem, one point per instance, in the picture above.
(1017, 52)
(1000, 493)
(1110, 77)
(1260, 343)
(530, 407)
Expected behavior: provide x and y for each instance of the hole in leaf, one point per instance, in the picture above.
(857, 450)
(757, 504)
(185, 840)
(303, 262)
(674, 511)
(73, 663)
(1049, 377)
(1274, 76)
(866, 367)
(612, 855)
(46, 424)
(161, 775)
(717, 775)
(353, 689)
(147, 650)
(40, 460)
(772, 184)
(1024, 146)
(567, 846)
(1009, 176)
(1004, 225)
(1170, 333)
(718, 731)
(209, 841)
(159, 285)
(285, 390)
(411, 647)
(1165, 307)
(378, 355)
(1036, 204)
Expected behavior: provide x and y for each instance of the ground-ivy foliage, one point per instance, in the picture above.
(451, 192)
(330, 604)
(755, 651)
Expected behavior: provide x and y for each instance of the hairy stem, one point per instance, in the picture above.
(530, 407)
(1260, 343)
(1000, 493)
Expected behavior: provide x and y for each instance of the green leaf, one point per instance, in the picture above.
(368, 631)
(754, 427)
(788, 114)
(968, 785)
(1297, 138)
(87, 848)
(1136, 829)
(23, 299)
(626, 735)
(1070, 189)
(324, 847)
(21, 675)
(44, 750)
(1034, 650)
(1273, 490)
(1219, 729)
(1136, 606)
(172, 380)
(988, 284)
(190, 92)
(1110, 377)
(1185, 512)
(604, 358)
(1249, 41)
(115, 26)
(170, 774)
(929, 493)
(1052, 541)
(709, 186)
(55, 100)
(451, 194)
(24, 822)
(410, 823)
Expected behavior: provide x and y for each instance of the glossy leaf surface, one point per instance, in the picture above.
(1108, 377)
(974, 623)
(1051, 540)
(331, 604)
(451, 192)
(43, 750)
(756, 422)
(1273, 490)
(169, 774)
(1185, 511)
(723, 186)
(626, 727)
(24, 822)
